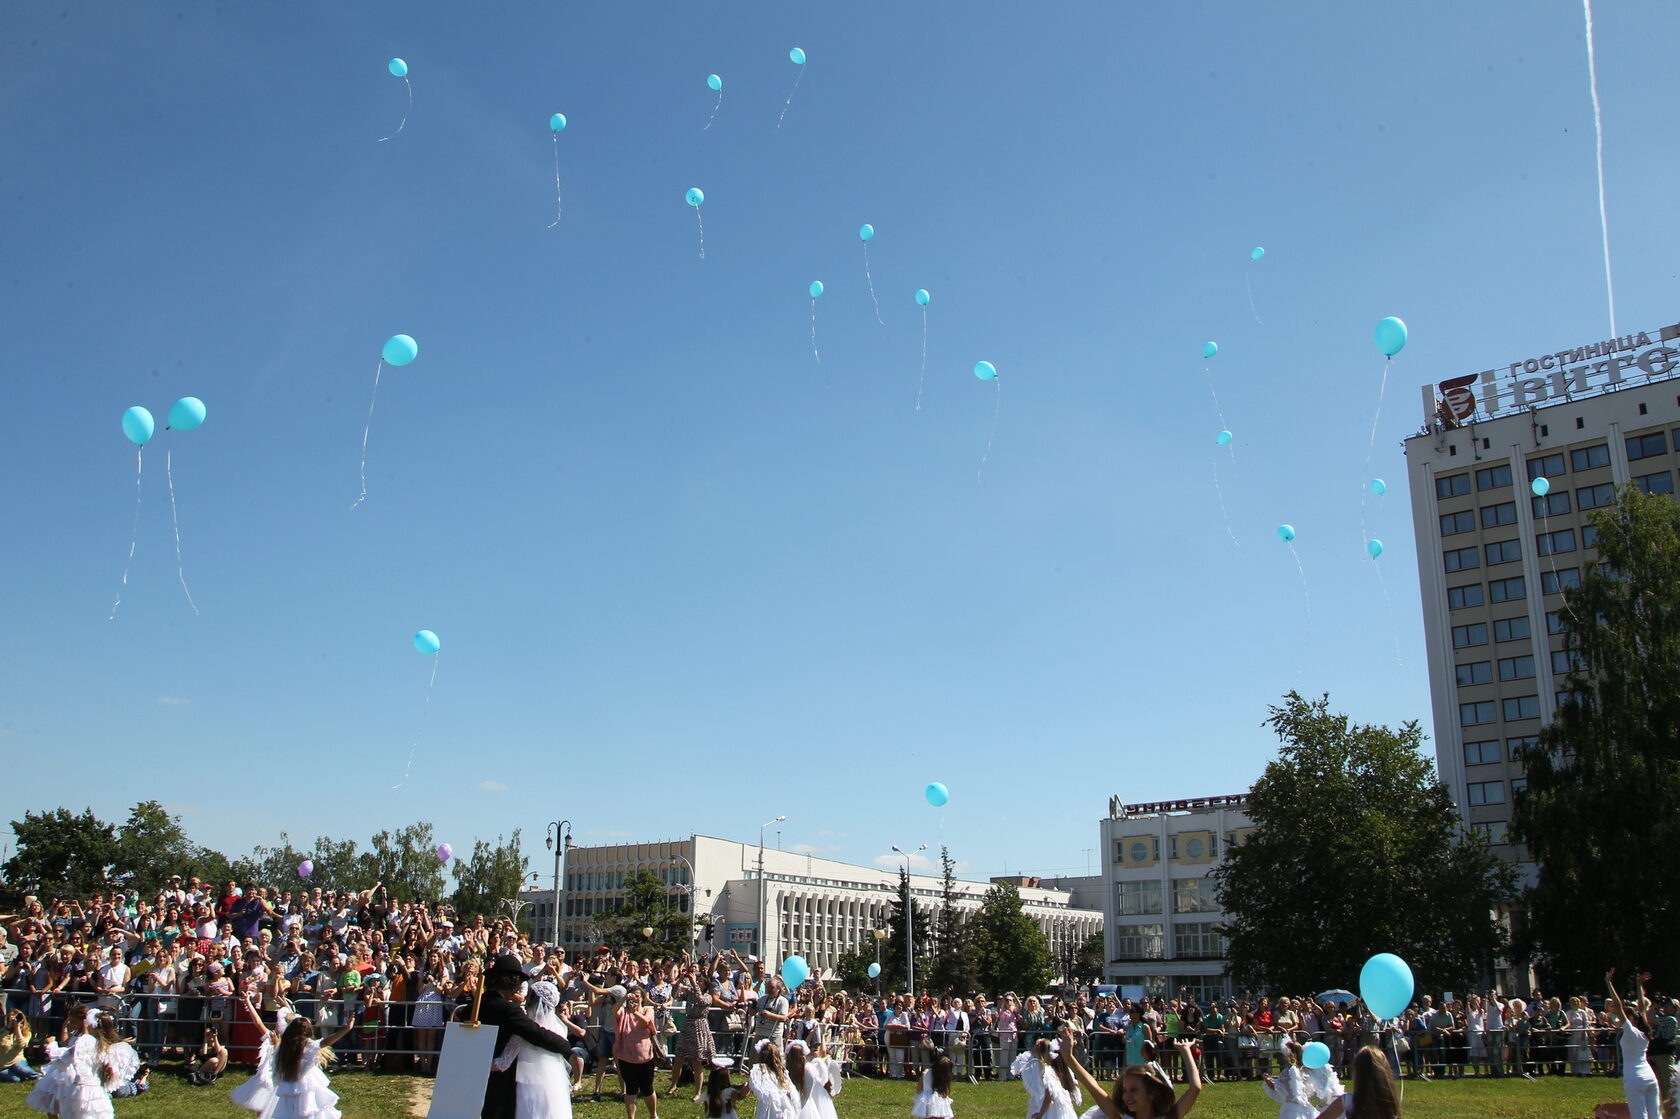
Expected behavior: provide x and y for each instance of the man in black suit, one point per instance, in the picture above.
(498, 1009)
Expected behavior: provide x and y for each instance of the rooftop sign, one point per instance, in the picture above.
(1195, 805)
(1587, 370)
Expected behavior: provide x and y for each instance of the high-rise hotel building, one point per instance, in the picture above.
(1495, 555)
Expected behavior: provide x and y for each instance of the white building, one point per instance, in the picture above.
(818, 908)
(1161, 917)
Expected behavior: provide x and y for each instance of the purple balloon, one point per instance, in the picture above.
(445, 852)
(305, 869)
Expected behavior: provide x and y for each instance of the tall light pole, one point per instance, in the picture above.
(561, 831)
(693, 900)
(909, 920)
(764, 895)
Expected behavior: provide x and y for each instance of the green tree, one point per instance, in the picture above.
(406, 862)
(647, 906)
(851, 970)
(1357, 849)
(151, 846)
(1604, 778)
(953, 969)
(60, 855)
(1087, 964)
(493, 873)
(1010, 950)
(892, 952)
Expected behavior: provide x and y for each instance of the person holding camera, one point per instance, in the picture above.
(14, 1068)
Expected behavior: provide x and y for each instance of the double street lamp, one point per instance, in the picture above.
(561, 831)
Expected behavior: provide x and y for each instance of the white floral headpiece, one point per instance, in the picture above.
(1055, 1050)
(799, 1045)
(723, 1062)
(761, 1045)
(94, 1014)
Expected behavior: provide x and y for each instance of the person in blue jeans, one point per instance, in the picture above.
(13, 1067)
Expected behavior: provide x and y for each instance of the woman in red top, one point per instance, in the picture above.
(633, 1051)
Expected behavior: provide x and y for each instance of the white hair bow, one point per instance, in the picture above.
(1055, 1050)
(760, 1045)
(799, 1045)
(94, 1014)
(723, 1062)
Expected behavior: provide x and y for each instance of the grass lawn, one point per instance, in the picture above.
(369, 1096)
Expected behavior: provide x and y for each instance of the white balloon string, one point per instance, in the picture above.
(869, 277)
(169, 477)
(715, 109)
(1222, 512)
(404, 120)
(1306, 598)
(997, 403)
(1393, 625)
(702, 223)
(557, 203)
(1248, 281)
(1220, 412)
(134, 535)
(380, 368)
(923, 376)
(1545, 503)
(1598, 134)
(424, 709)
(814, 351)
(791, 92)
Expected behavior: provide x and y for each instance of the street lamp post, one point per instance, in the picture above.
(909, 920)
(693, 901)
(764, 895)
(560, 830)
(880, 935)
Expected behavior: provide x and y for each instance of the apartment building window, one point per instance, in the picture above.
(1462, 559)
(1515, 746)
(1522, 707)
(1466, 636)
(1493, 477)
(1546, 466)
(1470, 675)
(1460, 597)
(1505, 513)
(1644, 446)
(1476, 714)
(1485, 792)
(1138, 942)
(1507, 590)
(1137, 899)
(1198, 940)
(1503, 551)
(1511, 629)
(1661, 482)
(1519, 785)
(1493, 831)
(1589, 536)
(1595, 497)
(1194, 895)
(1554, 622)
(1516, 668)
(1551, 543)
(1454, 523)
(1566, 579)
(1566, 661)
(1551, 505)
(1590, 458)
(1456, 486)
(1481, 753)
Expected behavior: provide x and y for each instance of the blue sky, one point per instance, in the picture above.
(687, 578)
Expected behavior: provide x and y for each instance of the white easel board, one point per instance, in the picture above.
(463, 1072)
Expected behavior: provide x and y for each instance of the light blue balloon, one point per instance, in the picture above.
(1374, 547)
(874, 971)
(557, 122)
(427, 642)
(1391, 336)
(923, 297)
(186, 413)
(714, 83)
(985, 370)
(1541, 487)
(400, 349)
(1385, 983)
(1257, 253)
(796, 56)
(138, 425)
(1378, 486)
(937, 794)
(1315, 1054)
(816, 289)
(1209, 348)
(1286, 533)
(695, 196)
(398, 68)
(865, 232)
(1223, 438)
(795, 971)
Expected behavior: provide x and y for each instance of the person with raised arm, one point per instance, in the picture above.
(1639, 1080)
(1143, 1091)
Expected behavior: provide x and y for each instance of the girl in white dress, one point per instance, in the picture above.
(542, 1086)
(721, 1094)
(1374, 1094)
(1143, 1091)
(1323, 1085)
(1290, 1090)
(54, 1078)
(1639, 1080)
(934, 1100)
(768, 1081)
(1052, 1092)
(823, 1078)
(290, 1083)
(83, 1094)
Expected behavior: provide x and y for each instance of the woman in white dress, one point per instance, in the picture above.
(1639, 1080)
(1579, 1023)
(934, 1100)
(768, 1081)
(1290, 1090)
(542, 1086)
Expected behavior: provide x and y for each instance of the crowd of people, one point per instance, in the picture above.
(174, 971)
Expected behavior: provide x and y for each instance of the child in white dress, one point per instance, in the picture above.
(542, 1085)
(721, 1094)
(1052, 1092)
(82, 1093)
(768, 1081)
(823, 1081)
(934, 1100)
(1290, 1091)
(289, 1083)
(44, 1096)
